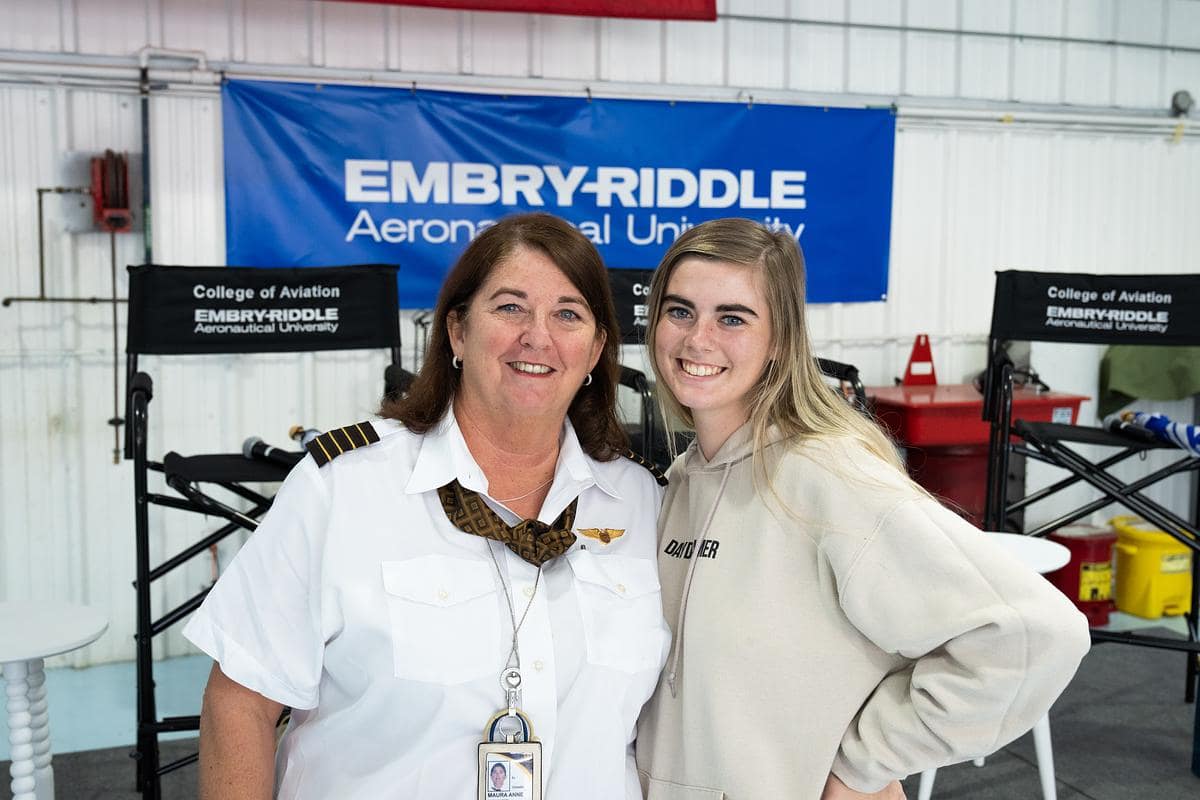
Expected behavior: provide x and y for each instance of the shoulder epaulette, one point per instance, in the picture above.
(655, 471)
(331, 444)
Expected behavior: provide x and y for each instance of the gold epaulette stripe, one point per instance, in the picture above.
(324, 452)
(322, 447)
(655, 471)
(358, 426)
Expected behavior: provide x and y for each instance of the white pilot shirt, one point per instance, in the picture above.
(385, 628)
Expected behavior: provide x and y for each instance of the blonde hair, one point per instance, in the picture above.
(791, 393)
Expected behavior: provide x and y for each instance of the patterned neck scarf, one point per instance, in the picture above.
(532, 540)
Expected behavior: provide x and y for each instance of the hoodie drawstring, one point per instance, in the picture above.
(687, 581)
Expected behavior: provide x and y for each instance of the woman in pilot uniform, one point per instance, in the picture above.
(487, 524)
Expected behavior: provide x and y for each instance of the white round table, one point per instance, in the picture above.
(29, 633)
(1040, 555)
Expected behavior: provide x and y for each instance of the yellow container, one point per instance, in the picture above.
(1154, 571)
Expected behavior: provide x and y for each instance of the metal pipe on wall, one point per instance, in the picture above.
(147, 232)
(1016, 36)
(62, 69)
(42, 191)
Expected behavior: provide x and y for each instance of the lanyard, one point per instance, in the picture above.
(510, 677)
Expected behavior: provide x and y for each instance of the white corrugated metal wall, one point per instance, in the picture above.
(972, 194)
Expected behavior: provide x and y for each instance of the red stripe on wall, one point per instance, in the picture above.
(644, 9)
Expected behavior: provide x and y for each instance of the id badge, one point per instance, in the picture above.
(510, 771)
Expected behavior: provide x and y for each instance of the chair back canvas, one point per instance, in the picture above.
(194, 310)
(1096, 309)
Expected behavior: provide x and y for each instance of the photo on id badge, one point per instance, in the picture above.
(508, 772)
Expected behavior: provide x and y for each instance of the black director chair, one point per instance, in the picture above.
(630, 289)
(849, 383)
(642, 432)
(1092, 309)
(228, 310)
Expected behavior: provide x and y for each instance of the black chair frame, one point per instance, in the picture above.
(1031, 306)
(642, 434)
(159, 323)
(848, 378)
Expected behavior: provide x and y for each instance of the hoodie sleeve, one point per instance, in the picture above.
(990, 643)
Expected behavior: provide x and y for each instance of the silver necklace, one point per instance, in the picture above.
(510, 678)
(531, 491)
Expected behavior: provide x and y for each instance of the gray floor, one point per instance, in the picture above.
(1121, 732)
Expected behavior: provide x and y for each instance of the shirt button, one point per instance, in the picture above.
(621, 588)
(538, 665)
(528, 590)
(443, 594)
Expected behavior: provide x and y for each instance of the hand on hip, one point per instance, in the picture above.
(836, 790)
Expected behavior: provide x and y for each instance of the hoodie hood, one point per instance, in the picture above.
(736, 449)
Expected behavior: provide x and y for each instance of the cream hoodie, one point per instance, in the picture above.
(871, 633)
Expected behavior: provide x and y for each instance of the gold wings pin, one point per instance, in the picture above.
(605, 535)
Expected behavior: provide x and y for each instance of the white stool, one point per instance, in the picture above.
(29, 633)
(1040, 556)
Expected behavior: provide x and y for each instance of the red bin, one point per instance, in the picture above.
(1088, 577)
(946, 440)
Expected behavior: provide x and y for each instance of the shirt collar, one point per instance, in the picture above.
(444, 456)
(578, 465)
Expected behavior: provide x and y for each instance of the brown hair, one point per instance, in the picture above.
(593, 411)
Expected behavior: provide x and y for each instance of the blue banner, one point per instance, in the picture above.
(324, 174)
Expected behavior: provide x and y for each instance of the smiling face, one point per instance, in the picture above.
(527, 341)
(712, 343)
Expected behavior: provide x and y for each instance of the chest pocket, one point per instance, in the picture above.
(444, 618)
(621, 604)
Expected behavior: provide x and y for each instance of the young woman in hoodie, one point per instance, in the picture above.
(835, 628)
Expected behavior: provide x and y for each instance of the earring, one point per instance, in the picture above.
(587, 381)
(456, 362)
